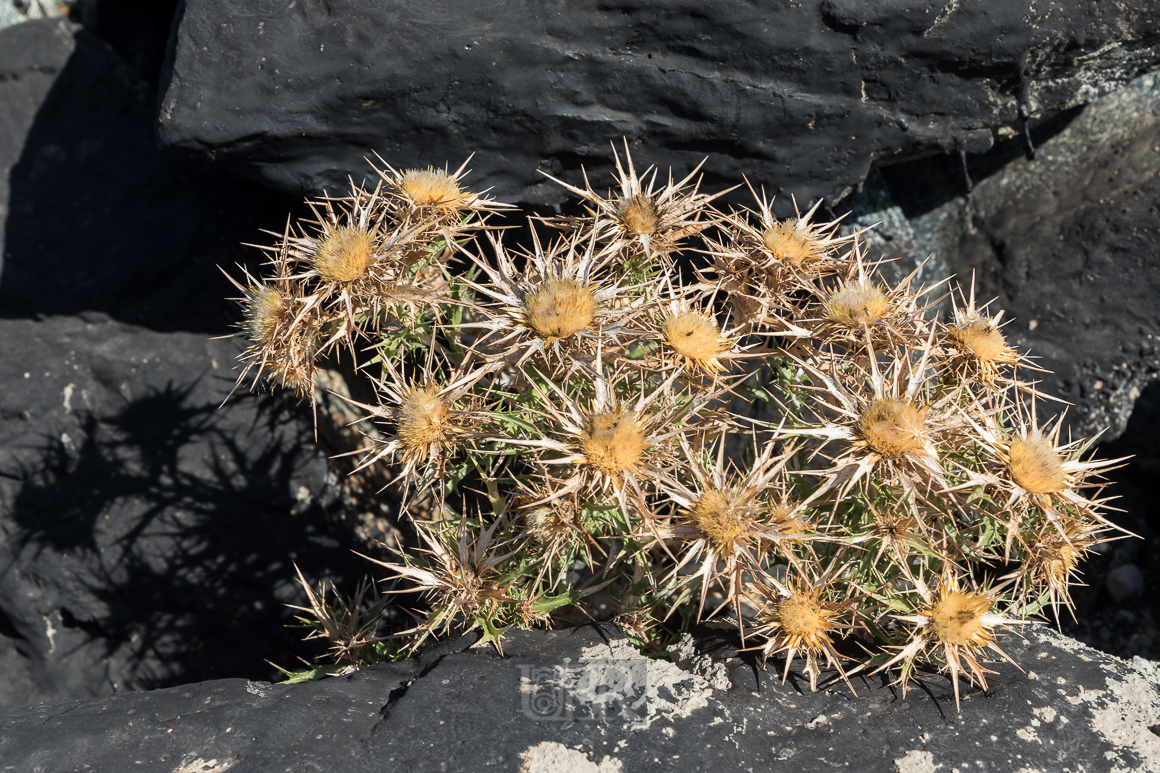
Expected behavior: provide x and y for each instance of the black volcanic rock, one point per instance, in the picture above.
(584, 701)
(801, 96)
(1067, 242)
(93, 217)
(147, 535)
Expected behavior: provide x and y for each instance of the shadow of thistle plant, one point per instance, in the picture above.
(563, 410)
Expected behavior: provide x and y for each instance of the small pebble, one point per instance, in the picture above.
(1124, 582)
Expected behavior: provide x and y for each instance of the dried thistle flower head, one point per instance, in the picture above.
(641, 220)
(795, 241)
(638, 215)
(955, 625)
(695, 339)
(799, 620)
(436, 197)
(1035, 465)
(612, 442)
(344, 254)
(264, 311)
(422, 422)
(560, 307)
(431, 187)
(984, 341)
(893, 428)
(856, 304)
(552, 305)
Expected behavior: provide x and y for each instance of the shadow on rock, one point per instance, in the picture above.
(149, 536)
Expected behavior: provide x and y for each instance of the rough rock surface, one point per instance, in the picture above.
(93, 217)
(539, 709)
(800, 96)
(1069, 244)
(146, 537)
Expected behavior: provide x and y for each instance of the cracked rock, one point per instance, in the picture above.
(469, 709)
(801, 97)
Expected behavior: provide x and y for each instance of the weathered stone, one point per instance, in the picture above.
(585, 700)
(1068, 242)
(802, 97)
(148, 537)
(93, 217)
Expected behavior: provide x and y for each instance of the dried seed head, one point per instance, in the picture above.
(612, 442)
(893, 428)
(804, 620)
(422, 421)
(431, 187)
(696, 338)
(856, 304)
(956, 619)
(983, 339)
(638, 214)
(559, 308)
(265, 309)
(725, 518)
(344, 254)
(1035, 465)
(792, 241)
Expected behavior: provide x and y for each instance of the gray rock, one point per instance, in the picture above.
(148, 537)
(802, 97)
(1068, 242)
(93, 217)
(584, 700)
(1125, 582)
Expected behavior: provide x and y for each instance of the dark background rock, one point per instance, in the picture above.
(148, 537)
(801, 97)
(93, 216)
(464, 710)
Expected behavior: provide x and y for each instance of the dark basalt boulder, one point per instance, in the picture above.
(801, 97)
(147, 536)
(584, 701)
(93, 217)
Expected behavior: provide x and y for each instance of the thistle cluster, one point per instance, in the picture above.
(664, 411)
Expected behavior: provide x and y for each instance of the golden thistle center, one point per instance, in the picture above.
(805, 620)
(344, 254)
(695, 338)
(638, 214)
(893, 428)
(956, 619)
(431, 187)
(560, 308)
(612, 442)
(1035, 465)
(983, 339)
(263, 313)
(789, 242)
(856, 304)
(422, 421)
(725, 518)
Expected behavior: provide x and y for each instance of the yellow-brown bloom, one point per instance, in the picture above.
(344, 254)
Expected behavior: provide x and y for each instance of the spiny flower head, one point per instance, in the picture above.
(955, 624)
(694, 339)
(798, 618)
(892, 427)
(856, 304)
(343, 254)
(265, 310)
(641, 221)
(612, 442)
(560, 307)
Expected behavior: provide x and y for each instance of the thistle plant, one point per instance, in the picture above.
(666, 411)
